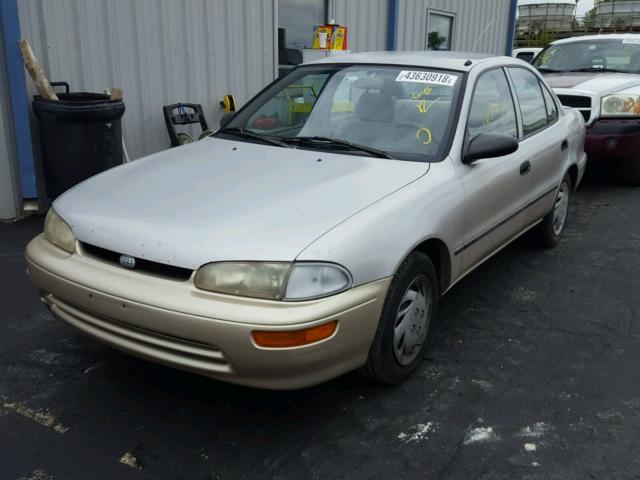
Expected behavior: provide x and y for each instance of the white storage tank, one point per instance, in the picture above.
(557, 15)
(618, 14)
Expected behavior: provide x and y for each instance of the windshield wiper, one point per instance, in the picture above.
(596, 69)
(241, 132)
(326, 141)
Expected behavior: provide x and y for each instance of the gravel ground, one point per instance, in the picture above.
(533, 373)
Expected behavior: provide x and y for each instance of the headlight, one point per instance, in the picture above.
(620, 106)
(314, 280)
(274, 280)
(58, 232)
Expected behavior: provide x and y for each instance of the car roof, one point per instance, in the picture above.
(604, 36)
(445, 60)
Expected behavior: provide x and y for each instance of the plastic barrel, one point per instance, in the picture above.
(80, 136)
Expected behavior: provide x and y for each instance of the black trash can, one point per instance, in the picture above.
(80, 136)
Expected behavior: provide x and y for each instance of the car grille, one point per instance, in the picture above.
(144, 266)
(583, 104)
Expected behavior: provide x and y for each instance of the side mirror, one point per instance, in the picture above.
(488, 145)
(226, 118)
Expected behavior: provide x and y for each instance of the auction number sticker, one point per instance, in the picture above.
(634, 41)
(434, 78)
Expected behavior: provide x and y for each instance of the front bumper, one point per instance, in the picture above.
(613, 138)
(173, 323)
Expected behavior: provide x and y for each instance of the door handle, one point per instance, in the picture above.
(525, 167)
(564, 145)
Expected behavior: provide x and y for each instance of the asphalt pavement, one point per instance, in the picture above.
(533, 373)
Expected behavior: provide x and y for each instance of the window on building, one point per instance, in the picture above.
(296, 19)
(440, 30)
(532, 106)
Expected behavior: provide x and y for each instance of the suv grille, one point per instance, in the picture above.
(142, 265)
(576, 101)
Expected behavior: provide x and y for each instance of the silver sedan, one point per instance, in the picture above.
(314, 233)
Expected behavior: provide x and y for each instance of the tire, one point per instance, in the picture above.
(205, 133)
(184, 138)
(547, 234)
(415, 278)
(629, 171)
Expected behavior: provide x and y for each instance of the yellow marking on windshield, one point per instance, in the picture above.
(422, 93)
(424, 135)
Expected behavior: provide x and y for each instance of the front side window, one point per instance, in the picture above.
(621, 55)
(492, 109)
(532, 106)
(439, 31)
(405, 112)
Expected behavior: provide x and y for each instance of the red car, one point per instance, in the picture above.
(600, 76)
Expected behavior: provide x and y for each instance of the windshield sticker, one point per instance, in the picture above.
(635, 41)
(434, 78)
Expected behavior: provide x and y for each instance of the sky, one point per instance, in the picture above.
(583, 6)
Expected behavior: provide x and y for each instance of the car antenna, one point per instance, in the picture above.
(467, 63)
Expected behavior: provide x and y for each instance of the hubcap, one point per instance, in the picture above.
(412, 321)
(560, 209)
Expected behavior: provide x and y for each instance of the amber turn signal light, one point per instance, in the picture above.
(294, 338)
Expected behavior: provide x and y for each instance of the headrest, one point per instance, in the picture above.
(369, 83)
(376, 107)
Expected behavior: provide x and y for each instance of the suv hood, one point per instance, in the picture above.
(593, 82)
(218, 200)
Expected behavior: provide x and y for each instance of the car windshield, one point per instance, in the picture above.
(620, 55)
(382, 111)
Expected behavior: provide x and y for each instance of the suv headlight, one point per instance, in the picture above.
(58, 232)
(620, 106)
(274, 280)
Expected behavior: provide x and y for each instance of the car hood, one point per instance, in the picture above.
(219, 200)
(592, 82)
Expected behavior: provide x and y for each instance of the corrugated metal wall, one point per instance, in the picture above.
(165, 51)
(367, 22)
(480, 25)
(8, 179)
(158, 51)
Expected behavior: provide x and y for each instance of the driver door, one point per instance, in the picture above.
(495, 189)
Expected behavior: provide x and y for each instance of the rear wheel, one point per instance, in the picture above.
(549, 232)
(629, 171)
(407, 318)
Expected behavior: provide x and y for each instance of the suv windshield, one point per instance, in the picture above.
(381, 111)
(621, 55)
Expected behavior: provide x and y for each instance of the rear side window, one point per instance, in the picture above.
(552, 108)
(526, 56)
(532, 105)
(492, 109)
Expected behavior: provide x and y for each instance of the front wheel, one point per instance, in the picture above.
(407, 318)
(549, 232)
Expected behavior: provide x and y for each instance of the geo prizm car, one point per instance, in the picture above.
(314, 233)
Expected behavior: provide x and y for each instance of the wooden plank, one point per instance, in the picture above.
(38, 76)
(116, 93)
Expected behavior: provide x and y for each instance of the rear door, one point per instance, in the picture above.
(544, 141)
(494, 189)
